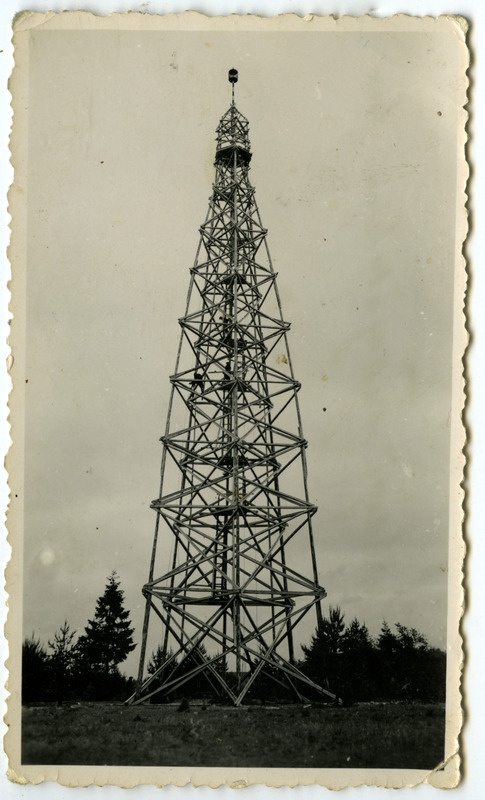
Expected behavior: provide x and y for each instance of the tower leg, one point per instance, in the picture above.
(143, 648)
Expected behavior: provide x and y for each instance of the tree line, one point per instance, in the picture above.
(397, 665)
(84, 667)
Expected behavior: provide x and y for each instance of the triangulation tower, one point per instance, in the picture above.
(233, 568)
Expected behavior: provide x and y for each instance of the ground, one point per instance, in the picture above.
(385, 735)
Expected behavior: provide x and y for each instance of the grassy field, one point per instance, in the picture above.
(373, 735)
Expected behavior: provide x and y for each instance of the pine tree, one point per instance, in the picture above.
(158, 664)
(357, 668)
(356, 637)
(158, 659)
(62, 661)
(323, 655)
(35, 671)
(108, 637)
(409, 668)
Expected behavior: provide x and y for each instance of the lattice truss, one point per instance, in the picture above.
(233, 501)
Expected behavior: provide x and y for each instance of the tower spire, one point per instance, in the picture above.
(233, 508)
(233, 78)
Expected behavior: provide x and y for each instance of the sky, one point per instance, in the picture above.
(355, 168)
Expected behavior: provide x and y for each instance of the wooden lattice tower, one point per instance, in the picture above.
(233, 504)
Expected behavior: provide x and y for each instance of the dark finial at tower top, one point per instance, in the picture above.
(232, 80)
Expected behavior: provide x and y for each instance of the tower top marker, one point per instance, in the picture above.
(233, 77)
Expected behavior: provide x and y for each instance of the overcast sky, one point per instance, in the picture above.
(354, 139)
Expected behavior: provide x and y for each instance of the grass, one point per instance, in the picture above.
(380, 735)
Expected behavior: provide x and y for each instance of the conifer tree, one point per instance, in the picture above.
(62, 661)
(35, 672)
(326, 645)
(108, 637)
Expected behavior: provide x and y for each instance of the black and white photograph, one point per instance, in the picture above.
(238, 329)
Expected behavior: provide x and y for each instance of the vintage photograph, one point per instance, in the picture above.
(236, 503)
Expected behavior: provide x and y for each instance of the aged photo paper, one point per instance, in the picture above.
(338, 147)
